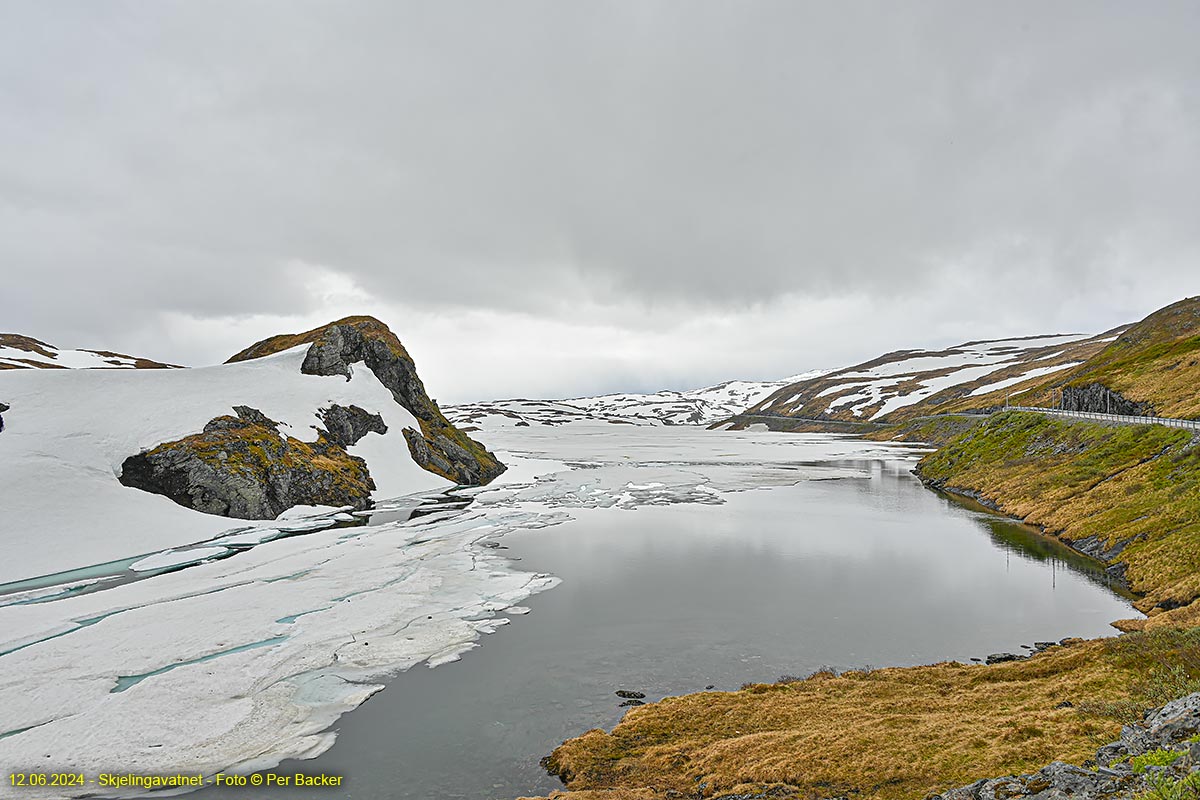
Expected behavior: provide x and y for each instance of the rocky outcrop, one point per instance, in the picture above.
(1097, 398)
(3, 407)
(346, 425)
(1158, 752)
(241, 466)
(334, 349)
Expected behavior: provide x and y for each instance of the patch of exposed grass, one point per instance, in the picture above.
(937, 430)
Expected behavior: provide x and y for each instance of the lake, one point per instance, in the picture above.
(855, 567)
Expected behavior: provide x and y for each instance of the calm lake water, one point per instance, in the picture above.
(668, 600)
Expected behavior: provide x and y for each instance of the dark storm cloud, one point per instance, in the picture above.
(641, 161)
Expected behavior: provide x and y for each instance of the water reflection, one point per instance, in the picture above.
(666, 600)
(1026, 541)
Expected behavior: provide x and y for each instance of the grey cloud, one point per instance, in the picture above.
(546, 158)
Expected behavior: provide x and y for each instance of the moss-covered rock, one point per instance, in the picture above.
(241, 466)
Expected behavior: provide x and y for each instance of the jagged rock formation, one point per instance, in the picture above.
(333, 350)
(3, 407)
(346, 425)
(1158, 752)
(241, 466)
(1098, 398)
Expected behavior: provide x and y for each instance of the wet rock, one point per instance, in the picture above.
(1000, 658)
(3, 407)
(626, 693)
(631, 703)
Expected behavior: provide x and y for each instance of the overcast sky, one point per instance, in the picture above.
(558, 198)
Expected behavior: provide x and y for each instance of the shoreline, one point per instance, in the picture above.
(575, 760)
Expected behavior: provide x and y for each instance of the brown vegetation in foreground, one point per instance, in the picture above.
(888, 733)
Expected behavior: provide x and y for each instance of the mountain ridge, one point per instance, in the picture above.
(701, 406)
(18, 351)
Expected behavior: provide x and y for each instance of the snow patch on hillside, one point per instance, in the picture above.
(69, 431)
(1033, 373)
(905, 378)
(692, 407)
(47, 356)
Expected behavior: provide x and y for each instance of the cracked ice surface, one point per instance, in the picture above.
(237, 663)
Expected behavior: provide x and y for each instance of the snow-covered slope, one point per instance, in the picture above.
(24, 352)
(907, 382)
(68, 432)
(691, 407)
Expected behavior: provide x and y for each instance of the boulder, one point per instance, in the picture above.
(346, 425)
(241, 466)
(1000, 658)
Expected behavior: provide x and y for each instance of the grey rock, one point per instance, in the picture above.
(254, 416)
(346, 425)
(1098, 398)
(1000, 658)
(1114, 751)
(245, 418)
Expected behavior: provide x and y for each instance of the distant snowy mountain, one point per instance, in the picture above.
(691, 407)
(25, 352)
(974, 375)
